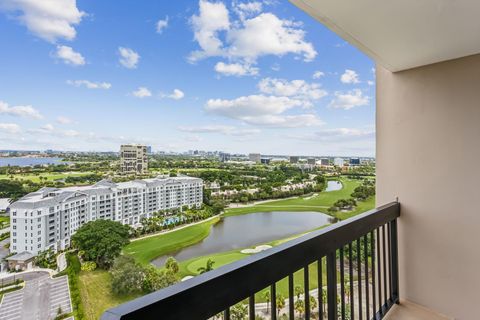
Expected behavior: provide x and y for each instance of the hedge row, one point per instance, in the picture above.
(73, 272)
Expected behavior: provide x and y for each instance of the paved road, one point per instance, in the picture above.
(39, 300)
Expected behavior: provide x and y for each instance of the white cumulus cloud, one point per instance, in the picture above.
(89, 84)
(69, 56)
(212, 18)
(177, 94)
(162, 24)
(128, 58)
(318, 74)
(251, 106)
(246, 9)
(299, 89)
(349, 100)
(19, 111)
(246, 39)
(47, 19)
(235, 69)
(142, 92)
(266, 34)
(262, 110)
(350, 76)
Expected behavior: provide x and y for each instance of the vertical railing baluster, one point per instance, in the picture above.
(320, 288)
(359, 279)
(385, 298)
(394, 262)
(226, 314)
(332, 285)
(251, 307)
(291, 310)
(389, 255)
(372, 252)
(367, 292)
(342, 285)
(273, 301)
(379, 274)
(350, 274)
(306, 282)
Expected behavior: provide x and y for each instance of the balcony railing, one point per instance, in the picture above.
(355, 262)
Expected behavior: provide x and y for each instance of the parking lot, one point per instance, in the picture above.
(41, 299)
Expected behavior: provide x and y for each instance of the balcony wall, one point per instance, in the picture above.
(428, 147)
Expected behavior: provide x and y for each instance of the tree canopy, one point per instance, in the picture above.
(102, 241)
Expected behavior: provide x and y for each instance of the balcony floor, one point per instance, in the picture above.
(407, 310)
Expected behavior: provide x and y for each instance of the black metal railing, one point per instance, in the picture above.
(353, 264)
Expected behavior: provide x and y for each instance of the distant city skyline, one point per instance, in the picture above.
(234, 76)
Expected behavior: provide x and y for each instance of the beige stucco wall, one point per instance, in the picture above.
(428, 152)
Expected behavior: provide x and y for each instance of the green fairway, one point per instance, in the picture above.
(320, 202)
(145, 250)
(50, 176)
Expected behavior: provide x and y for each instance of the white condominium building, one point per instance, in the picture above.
(49, 217)
(133, 159)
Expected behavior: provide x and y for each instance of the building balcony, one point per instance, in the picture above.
(355, 262)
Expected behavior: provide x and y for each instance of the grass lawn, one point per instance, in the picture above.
(321, 202)
(50, 176)
(147, 249)
(96, 294)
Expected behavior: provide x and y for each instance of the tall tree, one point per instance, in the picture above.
(102, 241)
(127, 276)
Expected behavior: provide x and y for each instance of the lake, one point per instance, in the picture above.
(238, 232)
(333, 185)
(28, 161)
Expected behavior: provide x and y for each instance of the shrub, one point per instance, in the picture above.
(89, 266)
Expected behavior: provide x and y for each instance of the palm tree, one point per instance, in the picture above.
(266, 295)
(299, 306)
(280, 303)
(313, 304)
(208, 266)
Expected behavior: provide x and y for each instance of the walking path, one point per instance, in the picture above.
(61, 262)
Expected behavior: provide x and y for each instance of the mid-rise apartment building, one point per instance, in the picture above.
(133, 159)
(49, 217)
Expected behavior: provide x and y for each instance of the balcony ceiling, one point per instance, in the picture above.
(403, 34)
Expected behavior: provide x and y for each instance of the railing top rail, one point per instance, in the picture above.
(211, 292)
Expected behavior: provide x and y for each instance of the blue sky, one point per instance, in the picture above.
(236, 76)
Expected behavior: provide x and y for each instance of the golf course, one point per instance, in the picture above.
(147, 249)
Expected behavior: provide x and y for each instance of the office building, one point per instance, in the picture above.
(133, 159)
(224, 157)
(49, 217)
(265, 161)
(311, 161)
(339, 162)
(324, 162)
(255, 157)
(354, 161)
(294, 159)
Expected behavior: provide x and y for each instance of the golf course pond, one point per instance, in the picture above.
(242, 231)
(333, 185)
